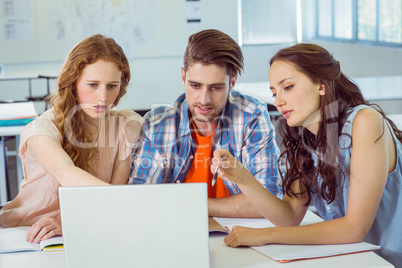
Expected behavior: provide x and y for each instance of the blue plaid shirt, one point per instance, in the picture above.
(164, 152)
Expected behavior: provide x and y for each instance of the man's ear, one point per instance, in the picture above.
(233, 81)
(321, 90)
(183, 74)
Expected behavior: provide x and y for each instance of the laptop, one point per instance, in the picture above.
(152, 225)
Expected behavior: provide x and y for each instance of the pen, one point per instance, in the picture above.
(215, 176)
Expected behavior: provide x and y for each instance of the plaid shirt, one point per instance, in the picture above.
(165, 149)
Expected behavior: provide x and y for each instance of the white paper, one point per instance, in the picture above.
(55, 240)
(309, 218)
(14, 240)
(17, 19)
(284, 253)
(17, 110)
(193, 12)
(245, 222)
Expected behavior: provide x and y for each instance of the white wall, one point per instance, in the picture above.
(157, 80)
(356, 60)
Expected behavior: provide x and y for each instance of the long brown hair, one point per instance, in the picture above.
(69, 118)
(341, 95)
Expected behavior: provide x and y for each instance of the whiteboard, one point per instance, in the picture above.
(144, 28)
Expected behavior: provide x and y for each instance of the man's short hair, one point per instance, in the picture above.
(214, 47)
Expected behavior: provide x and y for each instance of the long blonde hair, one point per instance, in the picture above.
(69, 119)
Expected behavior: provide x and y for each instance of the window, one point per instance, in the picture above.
(376, 22)
(268, 21)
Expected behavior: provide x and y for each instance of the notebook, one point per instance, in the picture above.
(14, 240)
(286, 253)
(157, 225)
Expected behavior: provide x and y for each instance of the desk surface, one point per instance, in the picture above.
(373, 88)
(11, 130)
(221, 256)
(380, 87)
(258, 90)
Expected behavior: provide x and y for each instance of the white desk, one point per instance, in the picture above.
(397, 119)
(221, 256)
(373, 88)
(224, 257)
(258, 90)
(4, 132)
(379, 88)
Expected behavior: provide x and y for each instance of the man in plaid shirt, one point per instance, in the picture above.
(177, 141)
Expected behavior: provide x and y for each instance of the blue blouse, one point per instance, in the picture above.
(386, 230)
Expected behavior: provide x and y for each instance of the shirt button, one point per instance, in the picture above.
(177, 181)
(328, 208)
(191, 156)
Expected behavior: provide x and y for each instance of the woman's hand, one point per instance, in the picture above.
(244, 236)
(43, 229)
(229, 167)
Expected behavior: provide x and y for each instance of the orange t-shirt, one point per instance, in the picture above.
(200, 168)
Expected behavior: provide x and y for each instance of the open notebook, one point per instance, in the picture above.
(286, 253)
(14, 240)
